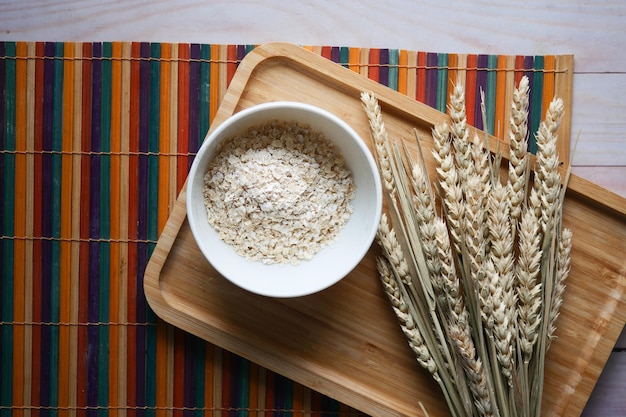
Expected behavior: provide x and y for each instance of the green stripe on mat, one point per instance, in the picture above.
(536, 112)
(442, 82)
(392, 81)
(7, 229)
(490, 94)
(105, 226)
(55, 265)
(153, 143)
(205, 92)
(344, 56)
(198, 349)
(153, 209)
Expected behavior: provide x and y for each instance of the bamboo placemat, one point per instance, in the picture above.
(96, 141)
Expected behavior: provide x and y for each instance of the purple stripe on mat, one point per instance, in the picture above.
(431, 79)
(194, 99)
(283, 396)
(94, 231)
(240, 386)
(383, 73)
(335, 54)
(481, 85)
(46, 227)
(241, 52)
(142, 222)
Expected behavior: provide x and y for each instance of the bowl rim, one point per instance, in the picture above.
(214, 138)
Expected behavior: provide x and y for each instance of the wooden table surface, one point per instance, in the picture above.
(592, 31)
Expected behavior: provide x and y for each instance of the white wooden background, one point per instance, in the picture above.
(594, 31)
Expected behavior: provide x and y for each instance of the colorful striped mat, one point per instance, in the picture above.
(96, 140)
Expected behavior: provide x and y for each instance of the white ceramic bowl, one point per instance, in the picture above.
(329, 265)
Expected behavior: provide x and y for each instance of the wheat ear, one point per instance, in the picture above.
(460, 132)
(563, 262)
(388, 241)
(547, 178)
(499, 321)
(474, 226)
(528, 284)
(451, 192)
(450, 280)
(474, 370)
(425, 215)
(518, 142)
(501, 248)
(480, 160)
(407, 323)
(379, 134)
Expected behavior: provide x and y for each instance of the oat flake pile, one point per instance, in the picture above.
(278, 193)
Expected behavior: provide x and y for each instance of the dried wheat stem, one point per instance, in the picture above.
(499, 319)
(547, 178)
(449, 184)
(563, 262)
(528, 284)
(501, 247)
(388, 241)
(474, 226)
(501, 255)
(518, 142)
(407, 323)
(474, 371)
(450, 280)
(460, 132)
(480, 159)
(422, 197)
(425, 215)
(554, 114)
(503, 336)
(379, 134)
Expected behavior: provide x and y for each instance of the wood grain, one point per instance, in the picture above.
(344, 341)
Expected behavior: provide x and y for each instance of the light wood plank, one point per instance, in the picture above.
(612, 178)
(597, 107)
(591, 30)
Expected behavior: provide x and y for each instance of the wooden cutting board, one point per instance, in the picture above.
(345, 341)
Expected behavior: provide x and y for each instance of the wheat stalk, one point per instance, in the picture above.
(501, 264)
(449, 182)
(563, 262)
(518, 142)
(400, 307)
(460, 132)
(474, 369)
(501, 247)
(379, 134)
(421, 343)
(388, 241)
(425, 214)
(528, 285)
(474, 226)
(451, 283)
(547, 178)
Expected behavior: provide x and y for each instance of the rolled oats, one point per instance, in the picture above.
(278, 193)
